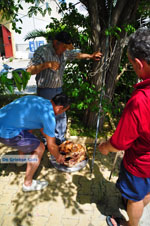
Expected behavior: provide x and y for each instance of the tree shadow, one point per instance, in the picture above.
(89, 190)
(98, 190)
(23, 204)
(106, 161)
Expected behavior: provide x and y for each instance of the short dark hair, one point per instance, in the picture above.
(61, 99)
(139, 45)
(64, 37)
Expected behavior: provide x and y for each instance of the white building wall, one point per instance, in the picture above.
(21, 49)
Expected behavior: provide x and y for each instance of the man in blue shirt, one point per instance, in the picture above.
(29, 113)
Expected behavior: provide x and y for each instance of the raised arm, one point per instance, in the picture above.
(94, 56)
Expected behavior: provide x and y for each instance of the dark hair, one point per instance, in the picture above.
(64, 37)
(61, 100)
(139, 45)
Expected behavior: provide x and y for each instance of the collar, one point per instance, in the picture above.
(50, 44)
(142, 84)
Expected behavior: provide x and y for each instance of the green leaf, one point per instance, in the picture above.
(25, 78)
(10, 88)
(17, 76)
(3, 78)
(17, 80)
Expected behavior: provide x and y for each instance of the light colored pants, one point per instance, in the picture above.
(61, 120)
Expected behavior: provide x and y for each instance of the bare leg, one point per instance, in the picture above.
(20, 152)
(146, 200)
(135, 211)
(32, 166)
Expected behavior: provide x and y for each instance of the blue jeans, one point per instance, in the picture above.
(61, 120)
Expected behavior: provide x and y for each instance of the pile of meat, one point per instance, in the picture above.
(74, 153)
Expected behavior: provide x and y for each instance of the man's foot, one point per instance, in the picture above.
(116, 221)
(35, 186)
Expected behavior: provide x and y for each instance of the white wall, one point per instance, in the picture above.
(81, 8)
(29, 24)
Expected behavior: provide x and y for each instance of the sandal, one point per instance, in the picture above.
(109, 222)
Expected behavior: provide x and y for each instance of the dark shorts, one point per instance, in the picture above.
(25, 142)
(132, 187)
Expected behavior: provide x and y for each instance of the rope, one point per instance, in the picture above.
(102, 92)
(97, 129)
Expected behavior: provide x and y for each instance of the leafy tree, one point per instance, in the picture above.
(106, 29)
(9, 10)
(77, 77)
(111, 22)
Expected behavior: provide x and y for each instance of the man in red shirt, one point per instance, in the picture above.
(133, 134)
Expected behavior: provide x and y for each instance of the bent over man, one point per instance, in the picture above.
(29, 113)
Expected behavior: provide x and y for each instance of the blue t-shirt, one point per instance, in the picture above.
(25, 113)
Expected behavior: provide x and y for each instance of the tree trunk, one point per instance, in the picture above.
(106, 71)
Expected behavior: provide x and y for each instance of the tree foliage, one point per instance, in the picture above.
(106, 29)
(10, 8)
(111, 22)
(18, 79)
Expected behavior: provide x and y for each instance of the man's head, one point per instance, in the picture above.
(62, 42)
(60, 103)
(139, 45)
(139, 52)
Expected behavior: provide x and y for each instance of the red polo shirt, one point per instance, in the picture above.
(133, 131)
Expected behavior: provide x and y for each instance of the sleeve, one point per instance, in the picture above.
(71, 55)
(49, 124)
(127, 129)
(38, 57)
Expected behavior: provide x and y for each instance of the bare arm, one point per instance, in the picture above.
(35, 69)
(53, 148)
(106, 147)
(94, 56)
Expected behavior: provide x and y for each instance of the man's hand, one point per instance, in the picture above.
(103, 149)
(106, 147)
(60, 159)
(53, 65)
(96, 55)
(54, 148)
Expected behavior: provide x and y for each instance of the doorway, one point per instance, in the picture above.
(5, 42)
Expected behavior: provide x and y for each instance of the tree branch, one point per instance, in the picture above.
(121, 73)
(117, 11)
(124, 11)
(95, 23)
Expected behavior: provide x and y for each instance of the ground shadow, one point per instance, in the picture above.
(89, 190)
(23, 204)
(96, 189)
